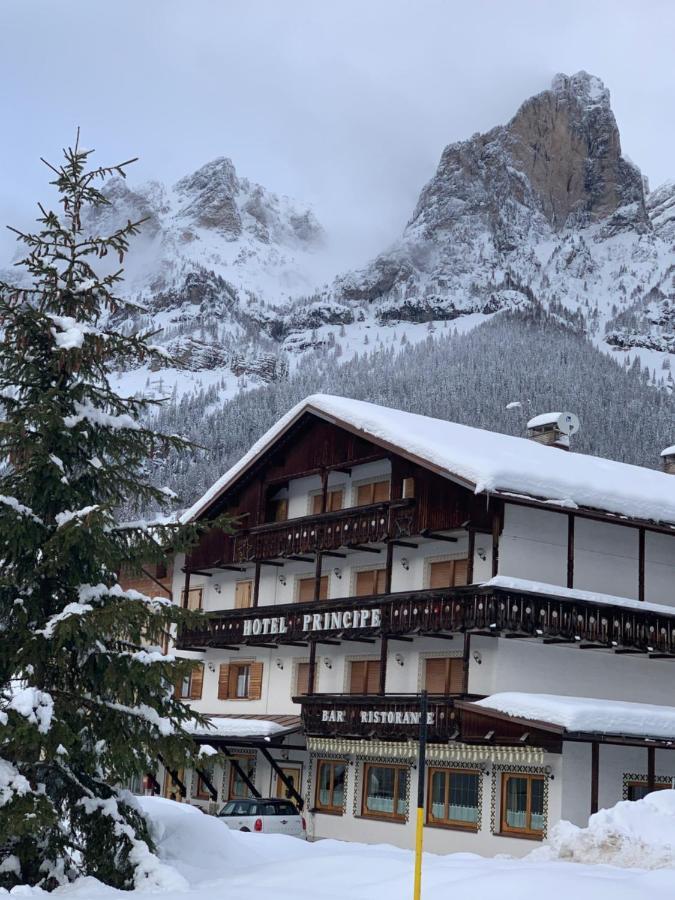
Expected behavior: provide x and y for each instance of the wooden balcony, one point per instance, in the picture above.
(389, 716)
(357, 525)
(481, 610)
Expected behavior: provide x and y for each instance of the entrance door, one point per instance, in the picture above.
(293, 773)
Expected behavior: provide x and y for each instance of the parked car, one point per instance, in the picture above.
(271, 816)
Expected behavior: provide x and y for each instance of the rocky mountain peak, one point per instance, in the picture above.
(581, 87)
(209, 197)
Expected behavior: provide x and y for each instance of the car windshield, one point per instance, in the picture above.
(236, 808)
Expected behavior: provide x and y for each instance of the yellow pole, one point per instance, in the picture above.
(418, 854)
(419, 825)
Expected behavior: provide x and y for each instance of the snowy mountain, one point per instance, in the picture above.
(543, 210)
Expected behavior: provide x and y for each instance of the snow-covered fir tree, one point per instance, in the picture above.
(86, 695)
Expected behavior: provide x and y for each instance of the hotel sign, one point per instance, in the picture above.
(311, 622)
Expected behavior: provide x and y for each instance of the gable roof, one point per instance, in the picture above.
(483, 461)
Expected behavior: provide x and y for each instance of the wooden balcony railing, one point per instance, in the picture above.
(375, 523)
(483, 610)
(391, 716)
(326, 531)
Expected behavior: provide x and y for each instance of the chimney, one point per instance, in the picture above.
(668, 460)
(554, 429)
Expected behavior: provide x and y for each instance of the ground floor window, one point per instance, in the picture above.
(523, 805)
(637, 789)
(238, 789)
(453, 798)
(202, 791)
(330, 786)
(385, 792)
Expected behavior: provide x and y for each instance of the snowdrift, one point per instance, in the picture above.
(632, 834)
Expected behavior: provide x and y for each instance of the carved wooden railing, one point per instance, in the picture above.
(326, 531)
(510, 613)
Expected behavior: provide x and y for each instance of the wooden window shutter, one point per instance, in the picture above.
(193, 600)
(197, 682)
(243, 594)
(461, 572)
(357, 678)
(436, 675)
(371, 581)
(302, 679)
(280, 510)
(255, 681)
(380, 581)
(336, 500)
(364, 494)
(306, 589)
(223, 681)
(372, 676)
(408, 488)
(381, 491)
(456, 675)
(323, 588)
(441, 574)
(317, 501)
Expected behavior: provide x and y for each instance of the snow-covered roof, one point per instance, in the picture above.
(587, 714)
(669, 451)
(544, 419)
(542, 587)
(485, 461)
(225, 726)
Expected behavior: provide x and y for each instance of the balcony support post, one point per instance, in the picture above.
(470, 554)
(324, 490)
(317, 576)
(466, 662)
(311, 673)
(570, 550)
(495, 542)
(641, 564)
(384, 646)
(388, 567)
(651, 768)
(256, 584)
(185, 599)
(595, 772)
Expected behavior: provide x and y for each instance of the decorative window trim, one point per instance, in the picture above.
(500, 769)
(335, 810)
(630, 778)
(231, 771)
(474, 769)
(359, 785)
(433, 654)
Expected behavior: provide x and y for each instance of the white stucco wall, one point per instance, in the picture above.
(605, 558)
(533, 545)
(660, 568)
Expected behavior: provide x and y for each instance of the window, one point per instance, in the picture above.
(306, 589)
(334, 501)
(193, 600)
(453, 798)
(636, 790)
(385, 790)
(302, 679)
(330, 786)
(408, 488)
(238, 789)
(373, 492)
(364, 676)
(190, 688)
(161, 570)
(522, 805)
(448, 573)
(243, 594)
(240, 681)
(202, 792)
(444, 676)
(370, 581)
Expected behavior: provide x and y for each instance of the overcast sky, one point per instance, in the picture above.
(344, 104)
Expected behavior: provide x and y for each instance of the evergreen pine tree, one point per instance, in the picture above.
(86, 695)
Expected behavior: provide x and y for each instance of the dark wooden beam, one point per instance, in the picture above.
(307, 559)
(359, 640)
(641, 564)
(324, 490)
(651, 768)
(438, 634)
(495, 542)
(328, 642)
(311, 674)
(157, 582)
(207, 781)
(401, 637)
(466, 662)
(570, 550)
(408, 544)
(388, 567)
(186, 590)
(595, 773)
(271, 562)
(384, 647)
(471, 554)
(335, 554)
(231, 568)
(361, 548)
(317, 577)
(436, 536)
(256, 584)
(198, 572)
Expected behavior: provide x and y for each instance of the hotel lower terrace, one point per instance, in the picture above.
(377, 553)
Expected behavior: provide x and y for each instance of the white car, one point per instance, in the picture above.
(270, 816)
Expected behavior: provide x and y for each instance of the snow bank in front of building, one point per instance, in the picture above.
(632, 834)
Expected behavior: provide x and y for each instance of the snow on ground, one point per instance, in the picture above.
(202, 860)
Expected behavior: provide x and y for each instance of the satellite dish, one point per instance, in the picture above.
(568, 423)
